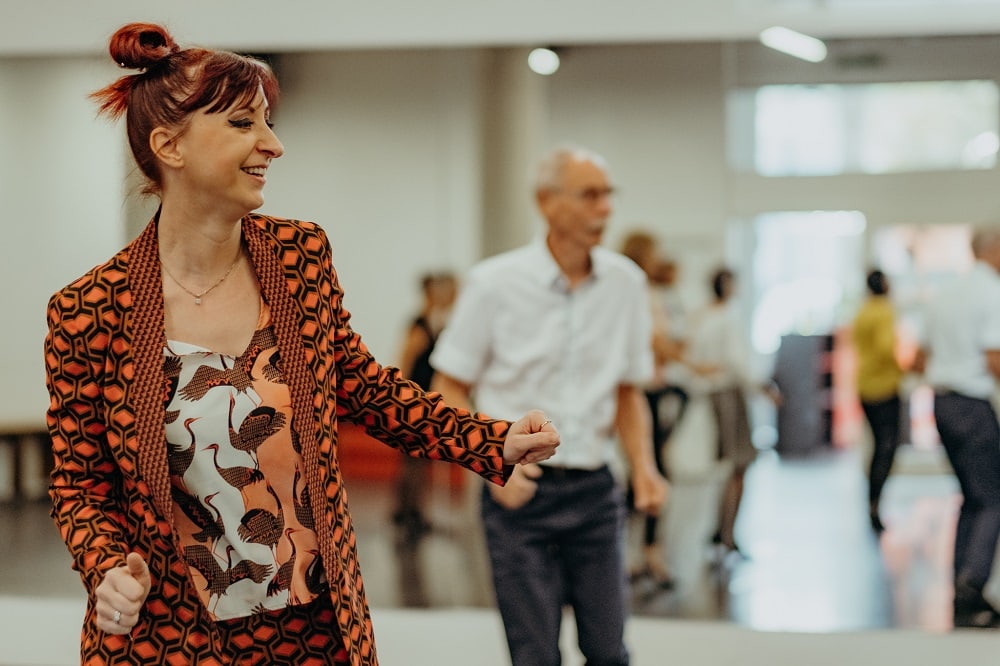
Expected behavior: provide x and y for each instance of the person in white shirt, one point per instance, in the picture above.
(960, 357)
(560, 324)
(716, 348)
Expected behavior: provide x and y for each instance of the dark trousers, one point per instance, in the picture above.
(666, 407)
(564, 547)
(971, 437)
(883, 418)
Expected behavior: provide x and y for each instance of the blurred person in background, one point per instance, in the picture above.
(717, 350)
(666, 399)
(960, 358)
(878, 378)
(438, 291)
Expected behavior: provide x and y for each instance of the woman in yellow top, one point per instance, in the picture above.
(878, 379)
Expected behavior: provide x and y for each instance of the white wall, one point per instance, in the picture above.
(383, 150)
(61, 172)
(656, 113)
(891, 199)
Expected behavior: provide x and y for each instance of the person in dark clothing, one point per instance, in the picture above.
(439, 290)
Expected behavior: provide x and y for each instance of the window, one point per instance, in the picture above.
(876, 128)
(805, 265)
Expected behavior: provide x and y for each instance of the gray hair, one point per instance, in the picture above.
(551, 168)
(985, 239)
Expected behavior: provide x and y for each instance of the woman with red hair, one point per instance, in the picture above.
(196, 382)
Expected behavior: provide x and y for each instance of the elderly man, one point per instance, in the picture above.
(961, 360)
(563, 325)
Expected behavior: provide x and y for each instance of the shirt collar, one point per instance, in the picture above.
(544, 267)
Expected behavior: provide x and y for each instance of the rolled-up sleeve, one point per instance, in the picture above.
(464, 347)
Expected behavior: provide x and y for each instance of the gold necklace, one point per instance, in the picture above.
(198, 297)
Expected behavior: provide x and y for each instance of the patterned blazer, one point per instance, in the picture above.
(110, 486)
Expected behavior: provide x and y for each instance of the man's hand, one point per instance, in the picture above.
(650, 490)
(519, 489)
(121, 595)
(531, 439)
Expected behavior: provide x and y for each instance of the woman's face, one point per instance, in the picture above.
(225, 156)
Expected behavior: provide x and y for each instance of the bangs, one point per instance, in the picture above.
(228, 80)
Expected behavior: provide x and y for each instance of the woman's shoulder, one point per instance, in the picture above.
(93, 300)
(105, 276)
(284, 235)
(284, 227)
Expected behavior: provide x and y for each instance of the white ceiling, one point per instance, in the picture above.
(44, 27)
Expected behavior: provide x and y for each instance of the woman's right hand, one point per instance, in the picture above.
(121, 595)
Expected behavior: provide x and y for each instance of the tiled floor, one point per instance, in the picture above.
(813, 565)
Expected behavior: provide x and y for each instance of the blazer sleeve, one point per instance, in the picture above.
(397, 411)
(86, 480)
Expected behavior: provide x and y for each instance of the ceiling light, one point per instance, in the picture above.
(794, 43)
(543, 61)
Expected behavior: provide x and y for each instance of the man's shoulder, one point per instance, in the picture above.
(618, 265)
(501, 264)
(979, 283)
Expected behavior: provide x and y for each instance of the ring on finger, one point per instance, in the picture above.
(116, 617)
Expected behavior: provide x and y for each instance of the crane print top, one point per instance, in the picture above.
(240, 499)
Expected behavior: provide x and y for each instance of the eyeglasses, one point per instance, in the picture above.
(590, 195)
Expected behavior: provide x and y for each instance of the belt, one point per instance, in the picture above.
(553, 472)
(948, 393)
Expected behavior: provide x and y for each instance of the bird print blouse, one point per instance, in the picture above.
(243, 515)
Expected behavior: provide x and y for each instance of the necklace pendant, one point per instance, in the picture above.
(197, 300)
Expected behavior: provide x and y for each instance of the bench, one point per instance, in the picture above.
(19, 437)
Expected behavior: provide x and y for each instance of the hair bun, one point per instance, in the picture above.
(141, 45)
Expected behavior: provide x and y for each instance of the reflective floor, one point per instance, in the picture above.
(811, 562)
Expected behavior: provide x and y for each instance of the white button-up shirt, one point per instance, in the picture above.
(962, 323)
(524, 341)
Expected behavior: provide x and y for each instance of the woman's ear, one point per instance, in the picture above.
(164, 145)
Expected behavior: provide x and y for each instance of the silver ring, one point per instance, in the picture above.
(116, 618)
(546, 423)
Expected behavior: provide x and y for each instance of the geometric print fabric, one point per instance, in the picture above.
(111, 482)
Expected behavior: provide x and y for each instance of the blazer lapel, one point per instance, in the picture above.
(148, 341)
(280, 275)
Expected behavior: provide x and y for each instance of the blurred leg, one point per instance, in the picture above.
(971, 437)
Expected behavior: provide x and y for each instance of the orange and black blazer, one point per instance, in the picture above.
(110, 486)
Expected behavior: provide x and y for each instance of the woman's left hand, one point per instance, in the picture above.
(531, 439)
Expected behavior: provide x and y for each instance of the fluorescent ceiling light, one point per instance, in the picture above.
(794, 43)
